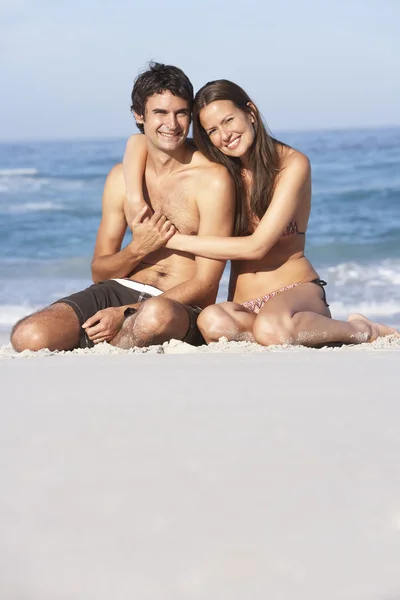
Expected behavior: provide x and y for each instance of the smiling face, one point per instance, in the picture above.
(229, 128)
(166, 121)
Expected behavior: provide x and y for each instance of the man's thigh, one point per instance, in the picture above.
(158, 320)
(99, 296)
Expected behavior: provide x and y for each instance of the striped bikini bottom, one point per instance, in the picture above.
(257, 304)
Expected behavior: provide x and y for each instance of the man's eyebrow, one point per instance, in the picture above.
(164, 111)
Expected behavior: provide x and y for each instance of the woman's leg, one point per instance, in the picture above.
(228, 319)
(300, 316)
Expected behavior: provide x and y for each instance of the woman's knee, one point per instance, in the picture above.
(270, 330)
(214, 322)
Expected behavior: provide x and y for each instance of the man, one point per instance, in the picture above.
(146, 294)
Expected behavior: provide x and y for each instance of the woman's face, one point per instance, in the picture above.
(229, 128)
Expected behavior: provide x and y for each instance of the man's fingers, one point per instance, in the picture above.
(155, 217)
(158, 218)
(161, 221)
(92, 320)
(139, 215)
(166, 226)
(103, 335)
(92, 332)
(170, 232)
(102, 339)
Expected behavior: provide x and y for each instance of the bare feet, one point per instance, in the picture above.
(369, 329)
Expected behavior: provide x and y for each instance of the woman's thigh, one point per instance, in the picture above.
(307, 297)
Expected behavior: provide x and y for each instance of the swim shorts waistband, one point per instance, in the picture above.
(139, 287)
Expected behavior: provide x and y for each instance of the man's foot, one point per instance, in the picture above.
(374, 330)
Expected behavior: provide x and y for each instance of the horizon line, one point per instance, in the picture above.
(84, 138)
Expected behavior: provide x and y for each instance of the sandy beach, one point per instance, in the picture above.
(240, 472)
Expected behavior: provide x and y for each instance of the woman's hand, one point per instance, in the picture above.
(105, 324)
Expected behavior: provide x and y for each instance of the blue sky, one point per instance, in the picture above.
(66, 68)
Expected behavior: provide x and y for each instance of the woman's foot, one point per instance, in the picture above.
(369, 330)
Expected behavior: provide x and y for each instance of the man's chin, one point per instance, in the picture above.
(170, 145)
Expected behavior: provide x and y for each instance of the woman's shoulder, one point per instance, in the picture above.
(292, 159)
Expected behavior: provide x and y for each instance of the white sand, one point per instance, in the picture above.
(218, 476)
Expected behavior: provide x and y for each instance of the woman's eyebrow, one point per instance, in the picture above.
(221, 122)
(225, 118)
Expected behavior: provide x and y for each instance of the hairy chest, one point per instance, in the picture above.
(174, 200)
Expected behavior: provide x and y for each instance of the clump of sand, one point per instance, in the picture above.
(390, 342)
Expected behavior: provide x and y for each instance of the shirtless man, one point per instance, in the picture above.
(146, 294)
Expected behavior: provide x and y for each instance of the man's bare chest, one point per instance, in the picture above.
(173, 201)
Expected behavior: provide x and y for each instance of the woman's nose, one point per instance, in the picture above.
(225, 134)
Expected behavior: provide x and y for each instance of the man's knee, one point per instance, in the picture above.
(157, 315)
(55, 327)
(28, 334)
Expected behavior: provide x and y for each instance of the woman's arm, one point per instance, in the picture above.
(293, 186)
(134, 165)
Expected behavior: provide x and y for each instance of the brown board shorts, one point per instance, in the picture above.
(111, 293)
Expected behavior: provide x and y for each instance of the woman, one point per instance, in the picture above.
(277, 296)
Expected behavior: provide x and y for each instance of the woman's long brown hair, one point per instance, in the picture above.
(264, 160)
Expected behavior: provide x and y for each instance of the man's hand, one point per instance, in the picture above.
(105, 324)
(135, 206)
(152, 233)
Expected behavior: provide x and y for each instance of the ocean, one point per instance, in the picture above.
(50, 206)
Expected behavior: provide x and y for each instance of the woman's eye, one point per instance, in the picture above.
(211, 132)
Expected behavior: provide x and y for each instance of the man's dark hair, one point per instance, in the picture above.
(157, 79)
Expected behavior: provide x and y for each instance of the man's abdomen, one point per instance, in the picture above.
(164, 272)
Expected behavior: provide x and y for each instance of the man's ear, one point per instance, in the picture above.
(138, 118)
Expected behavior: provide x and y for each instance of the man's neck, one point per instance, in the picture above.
(164, 162)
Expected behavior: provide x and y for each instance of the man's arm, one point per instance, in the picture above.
(109, 261)
(216, 205)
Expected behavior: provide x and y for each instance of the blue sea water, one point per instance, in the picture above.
(50, 205)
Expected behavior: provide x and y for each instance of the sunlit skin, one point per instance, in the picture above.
(229, 128)
(166, 121)
(268, 259)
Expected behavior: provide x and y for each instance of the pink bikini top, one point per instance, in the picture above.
(292, 229)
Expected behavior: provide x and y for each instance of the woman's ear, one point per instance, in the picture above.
(252, 111)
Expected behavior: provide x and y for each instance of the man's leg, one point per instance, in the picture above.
(56, 328)
(156, 321)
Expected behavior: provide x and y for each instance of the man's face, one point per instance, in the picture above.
(166, 121)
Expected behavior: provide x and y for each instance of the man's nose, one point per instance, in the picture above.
(172, 121)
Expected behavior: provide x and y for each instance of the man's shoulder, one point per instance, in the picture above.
(210, 172)
(115, 182)
(116, 175)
